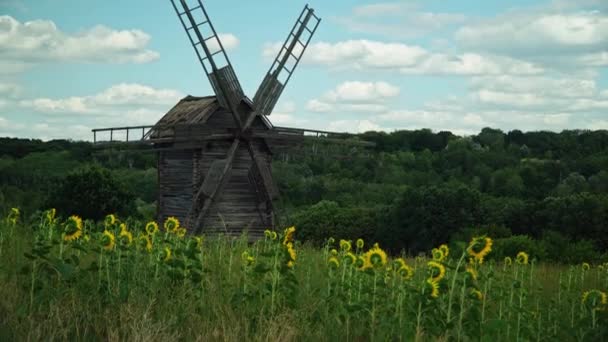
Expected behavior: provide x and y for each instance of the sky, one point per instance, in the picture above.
(68, 66)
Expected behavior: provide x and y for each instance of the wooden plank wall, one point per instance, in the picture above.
(175, 184)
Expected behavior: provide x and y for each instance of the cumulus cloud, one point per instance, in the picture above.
(106, 102)
(41, 41)
(355, 96)
(557, 37)
(387, 19)
(407, 59)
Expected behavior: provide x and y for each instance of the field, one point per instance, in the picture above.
(65, 279)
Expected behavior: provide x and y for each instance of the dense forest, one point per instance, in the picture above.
(543, 192)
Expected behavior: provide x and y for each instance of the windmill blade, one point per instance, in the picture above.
(211, 53)
(286, 61)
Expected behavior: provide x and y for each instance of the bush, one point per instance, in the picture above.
(92, 192)
(518, 243)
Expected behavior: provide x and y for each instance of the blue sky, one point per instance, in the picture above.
(68, 66)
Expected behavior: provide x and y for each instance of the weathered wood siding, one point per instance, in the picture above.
(175, 184)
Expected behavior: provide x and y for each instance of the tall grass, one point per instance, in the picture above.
(59, 281)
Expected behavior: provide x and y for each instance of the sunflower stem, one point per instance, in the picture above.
(450, 296)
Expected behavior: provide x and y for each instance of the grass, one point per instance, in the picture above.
(99, 288)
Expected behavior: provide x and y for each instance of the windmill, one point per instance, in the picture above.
(214, 152)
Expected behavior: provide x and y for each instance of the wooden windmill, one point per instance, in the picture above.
(214, 152)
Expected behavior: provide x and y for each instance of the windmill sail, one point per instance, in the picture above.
(286, 61)
(210, 52)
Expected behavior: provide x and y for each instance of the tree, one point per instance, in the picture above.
(92, 192)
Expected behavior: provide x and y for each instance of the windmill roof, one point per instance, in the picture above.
(190, 110)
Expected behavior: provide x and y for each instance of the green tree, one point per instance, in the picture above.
(92, 192)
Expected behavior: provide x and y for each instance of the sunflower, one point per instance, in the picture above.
(330, 241)
(472, 273)
(437, 270)
(399, 263)
(248, 260)
(145, 242)
(165, 254)
(199, 241)
(349, 258)
(107, 240)
(292, 254)
(273, 235)
(522, 258)
(151, 228)
(109, 221)
(360, 243)
(406, 271)
(49, 216)
(434, 286)
(445, 249)
(360, 264)
(476, 294)
(181, 232)
(437, 254)
(171, 224)
(125, 236)
(267, 233)
(508, 261)
(345, 245)
(72, 228)
(375, 257)
(479, 248)
(595, 299)
(333, 252)
(13, 216)
(289, 235)
(333, 262)
(586, 266)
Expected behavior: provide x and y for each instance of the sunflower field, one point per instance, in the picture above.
(69, 279)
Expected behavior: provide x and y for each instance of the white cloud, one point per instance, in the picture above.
(353, 126)
(355, 96)
(407, 59)
(387, 19)
(110, 101)
(285, 115)
(41, 41)
(8, 89)
(575, 38)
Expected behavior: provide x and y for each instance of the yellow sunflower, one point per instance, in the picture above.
(333, 262)
(508, 261)
(595, 299)
(472, 273)
(165, 254)
(434, 287)
(333, 252)
(360, 243)
(479, 248)
(437, 254)
(445, 250)
(292, 254)
(109, 221)
(586, 266)
(267, 233)
(171, 224)
(145, 242)
(350, 258)
(406, 271)
(181, 232)
(125, 236)
(199, 241)
(399, 263)
(345, 245)
(437, 270)
(522, 258)
(107, 240)
(361, 263)
(273, 235)
(73, 228)
(13, 216)
(375, 257)
(475, 293)
(289, 235)
(151, 228)
(50, 215)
